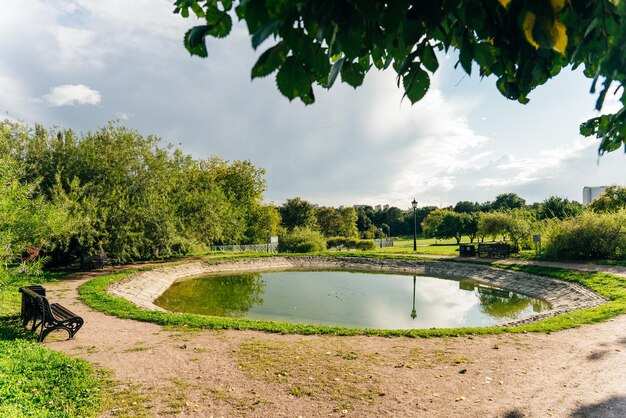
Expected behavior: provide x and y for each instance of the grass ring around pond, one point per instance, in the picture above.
(587, 307)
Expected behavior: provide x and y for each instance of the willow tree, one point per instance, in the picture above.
(522, 43)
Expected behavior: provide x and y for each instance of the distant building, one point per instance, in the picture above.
(360, 206)
(385, 207)
(592, 193)
(378, 208)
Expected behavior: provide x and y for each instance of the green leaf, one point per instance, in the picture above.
(292, 79)
(318, 62)
(508, 89)
(406, 63)
(194, 41)
(465, 55)
(416, 84)
(264, 31)
(334, 71)
(588, 128)
(227, 4)
(220, 24)
(269, 61)
(602, 95)
(308, 98)
(429, 59)
(351, 74)
(350, 39)
(255, 14)
(197, 10)
(485, 54)
(377, 57)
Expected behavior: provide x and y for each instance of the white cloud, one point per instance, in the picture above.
(74, 47)
(72, 95)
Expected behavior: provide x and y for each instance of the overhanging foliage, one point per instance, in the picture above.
(523, 43)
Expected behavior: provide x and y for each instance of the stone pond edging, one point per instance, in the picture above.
(143, 287)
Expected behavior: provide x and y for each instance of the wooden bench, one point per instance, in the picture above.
(45, 316)
(493, 250)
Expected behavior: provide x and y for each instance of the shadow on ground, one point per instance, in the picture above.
(598, 355)
(514, 414)
(11, 329)
(613, 407)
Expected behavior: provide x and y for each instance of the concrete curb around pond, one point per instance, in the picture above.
(142, 288)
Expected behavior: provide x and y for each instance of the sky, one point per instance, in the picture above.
(81, 63)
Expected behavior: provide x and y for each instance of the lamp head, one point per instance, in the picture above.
(414, 203)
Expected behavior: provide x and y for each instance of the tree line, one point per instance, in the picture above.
(65, 197)
(567, 229)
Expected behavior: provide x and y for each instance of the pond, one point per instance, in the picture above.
(350, 299)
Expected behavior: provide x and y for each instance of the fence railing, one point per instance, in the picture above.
(384, 242)
(261, 248)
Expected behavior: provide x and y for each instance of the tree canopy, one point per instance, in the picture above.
(523, 43)
(68, 196)
(612, 200)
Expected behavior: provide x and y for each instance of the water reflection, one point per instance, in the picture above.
(350, 299)
(231, 295)
(501, 303)
(413, 312)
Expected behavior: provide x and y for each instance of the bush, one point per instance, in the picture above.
(301, 240)
(587, 236)
(336, 242)
(365, 245)
(350, 243)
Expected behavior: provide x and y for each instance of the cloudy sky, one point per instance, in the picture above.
(81, 63)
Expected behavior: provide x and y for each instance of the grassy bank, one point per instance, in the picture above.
(94, 294)
(36, 381)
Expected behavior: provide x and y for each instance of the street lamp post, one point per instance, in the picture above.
(414, 204)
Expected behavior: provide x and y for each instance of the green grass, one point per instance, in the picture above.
(34, 380)
(424, 246)
(39, 382)
(620, 263)
(94, 294)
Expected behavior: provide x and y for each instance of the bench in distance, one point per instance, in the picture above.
(493, 250)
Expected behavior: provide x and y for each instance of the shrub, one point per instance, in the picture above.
(336, 242)
(587, 236)
(301, 240)
(350, 243)
(365, 245)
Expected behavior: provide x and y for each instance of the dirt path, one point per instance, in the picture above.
(579, 372)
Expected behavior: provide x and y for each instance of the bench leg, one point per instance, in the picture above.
(46, 331)
(71, 327)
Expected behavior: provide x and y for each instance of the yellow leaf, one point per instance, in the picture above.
(557, 4)
(559, 34)
(527, 26)
(504, 3)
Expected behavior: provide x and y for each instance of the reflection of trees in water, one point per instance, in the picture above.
(232, 295)
(503, 304)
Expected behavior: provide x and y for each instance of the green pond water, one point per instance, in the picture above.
(350, 299)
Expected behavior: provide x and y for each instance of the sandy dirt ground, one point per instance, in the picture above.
(160, 372)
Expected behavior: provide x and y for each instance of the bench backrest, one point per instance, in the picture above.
(37, 302)
(493, 246)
